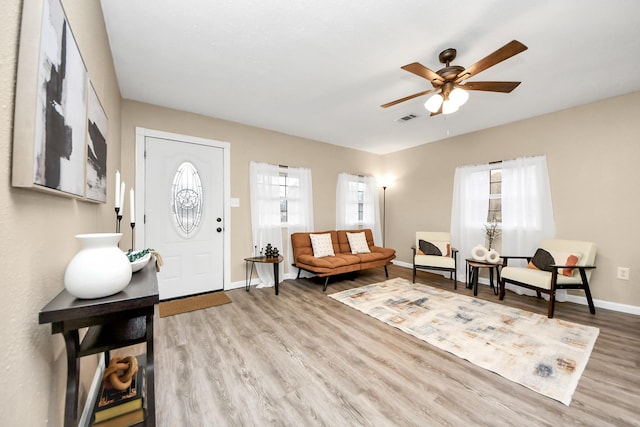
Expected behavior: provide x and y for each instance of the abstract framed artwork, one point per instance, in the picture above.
(59, 141)
(96, 182)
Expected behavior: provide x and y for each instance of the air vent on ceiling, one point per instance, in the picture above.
(406, 118)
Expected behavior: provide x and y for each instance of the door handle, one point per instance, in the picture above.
(219, 219)
(219, 229)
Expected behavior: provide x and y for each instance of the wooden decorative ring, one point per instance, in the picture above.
(120, 372)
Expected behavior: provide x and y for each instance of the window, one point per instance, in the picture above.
(284, 217)
(187, 199)
(495, 196)
(288, 183)
(360, 189)
(357, 204)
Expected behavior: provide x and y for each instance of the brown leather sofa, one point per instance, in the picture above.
(344, 261)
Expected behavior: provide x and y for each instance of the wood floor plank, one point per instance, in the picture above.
(304, 359)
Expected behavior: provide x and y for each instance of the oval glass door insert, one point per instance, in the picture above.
(187, 199)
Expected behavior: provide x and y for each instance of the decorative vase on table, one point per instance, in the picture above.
(99, 269)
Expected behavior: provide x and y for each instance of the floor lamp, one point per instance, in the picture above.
(384, 213)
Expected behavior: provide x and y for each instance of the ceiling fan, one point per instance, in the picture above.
(450, 82)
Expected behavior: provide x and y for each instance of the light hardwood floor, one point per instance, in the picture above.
(304, 359)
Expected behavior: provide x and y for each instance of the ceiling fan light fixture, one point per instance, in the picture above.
(459, 96)
(449, 107)
(433, 104)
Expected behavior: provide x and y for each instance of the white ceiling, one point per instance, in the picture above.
(321, 69)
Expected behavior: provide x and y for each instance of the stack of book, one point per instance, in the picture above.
(121, 408)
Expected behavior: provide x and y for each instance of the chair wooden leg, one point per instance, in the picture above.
(551, 305)
(386, 272)
(587, 292)
(455, 279)
(592, 307)
(326, 282)
(298, 276)
(501, 293)
(414, 274)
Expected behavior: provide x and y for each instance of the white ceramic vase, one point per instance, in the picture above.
(99, 269)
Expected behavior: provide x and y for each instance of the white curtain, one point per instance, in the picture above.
(469, 210)
(348, 199)
(265, 215)
(300, 204)
(266, 223)
(527, 210)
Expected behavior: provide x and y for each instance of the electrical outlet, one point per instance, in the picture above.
(623, 273)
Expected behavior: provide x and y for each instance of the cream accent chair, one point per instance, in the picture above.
(434, 262)
(548, 281)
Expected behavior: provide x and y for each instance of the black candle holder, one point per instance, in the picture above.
(118, 219)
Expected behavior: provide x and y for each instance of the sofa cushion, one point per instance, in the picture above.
(435, 261)
(358, 243)
(539, 278)
(329, 262)
(371, 256)
(322, 245)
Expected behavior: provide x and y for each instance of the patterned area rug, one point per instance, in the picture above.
(545, 355)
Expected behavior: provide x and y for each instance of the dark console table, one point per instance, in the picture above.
(120, 320)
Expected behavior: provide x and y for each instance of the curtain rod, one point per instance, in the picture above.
(516, 158)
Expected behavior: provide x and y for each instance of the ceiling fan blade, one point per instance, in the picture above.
(505, 87)
(406, 98)
(512, 48)
(422, 71)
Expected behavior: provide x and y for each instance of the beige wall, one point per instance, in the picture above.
(247, 143)
(592, 154)
(37, 231)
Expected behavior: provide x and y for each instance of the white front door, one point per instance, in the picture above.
(184, 217)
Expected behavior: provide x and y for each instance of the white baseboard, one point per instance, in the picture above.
(254, 282)
(607, 305)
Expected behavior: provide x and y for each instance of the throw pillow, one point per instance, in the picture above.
(358, 243)
(543, 260)
(322, 245)
(434, 248)
(565, 258)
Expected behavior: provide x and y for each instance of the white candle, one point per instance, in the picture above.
(117, 189)
(122, 197)
(133, 214)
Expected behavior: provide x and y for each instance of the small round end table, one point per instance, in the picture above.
(473, 270)
(265, 260)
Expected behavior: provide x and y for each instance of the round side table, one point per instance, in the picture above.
(473, 270)
(262, 259)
